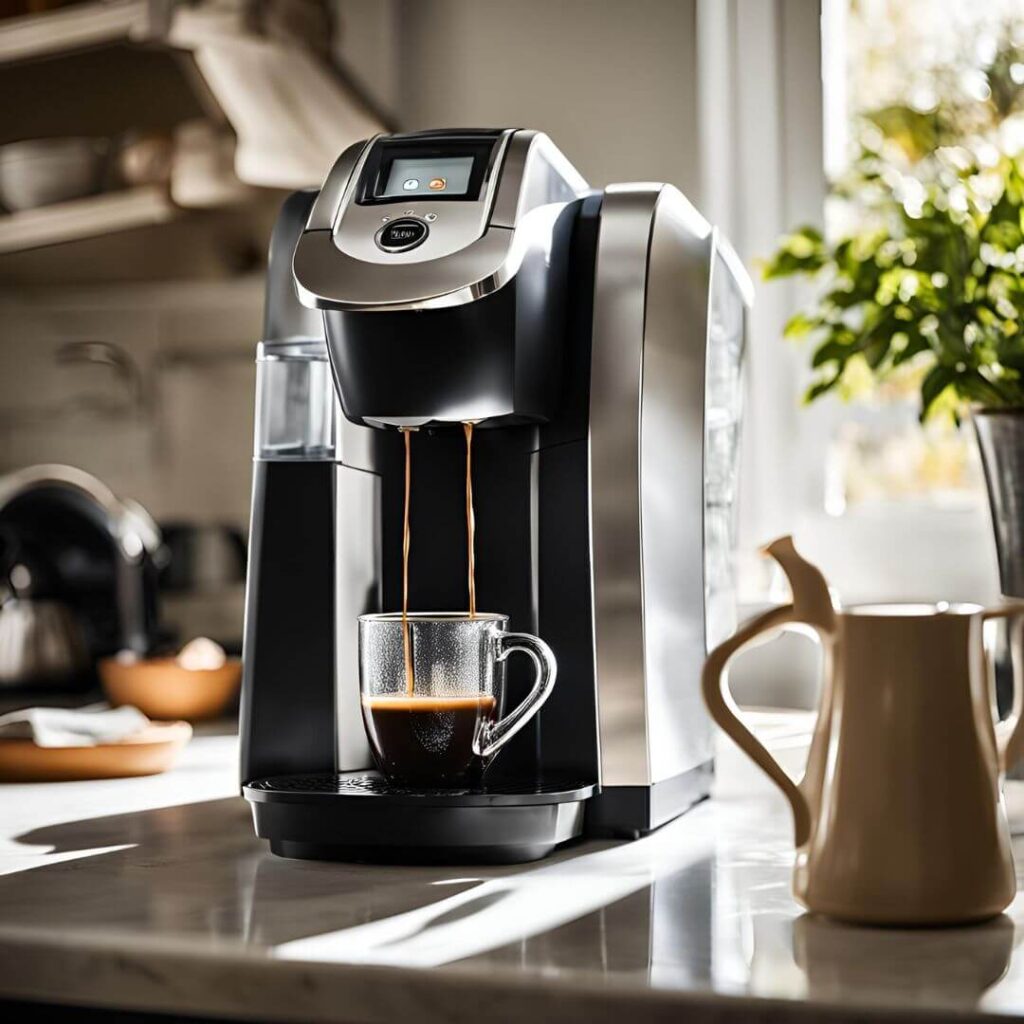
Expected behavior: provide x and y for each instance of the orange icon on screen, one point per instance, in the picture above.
(437, 184)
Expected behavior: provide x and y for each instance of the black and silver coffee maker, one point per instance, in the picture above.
(595, 339)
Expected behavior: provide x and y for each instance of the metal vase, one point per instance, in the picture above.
(1000, 435)
(1001, 442)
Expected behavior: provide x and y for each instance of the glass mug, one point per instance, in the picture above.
(446, 730)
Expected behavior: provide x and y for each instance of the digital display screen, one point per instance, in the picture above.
(428, 176)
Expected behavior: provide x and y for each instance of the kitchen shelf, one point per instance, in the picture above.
(200, 245)
(86, 24)
(254, 111)
(81, 218)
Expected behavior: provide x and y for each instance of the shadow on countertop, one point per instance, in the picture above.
(197, 873)
(198, 869)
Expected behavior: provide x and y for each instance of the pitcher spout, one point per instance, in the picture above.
(812, 600)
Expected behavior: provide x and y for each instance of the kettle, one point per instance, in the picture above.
(80, 569)
(41, 641)
(899, 818)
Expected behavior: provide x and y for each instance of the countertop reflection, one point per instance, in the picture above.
(155, 894)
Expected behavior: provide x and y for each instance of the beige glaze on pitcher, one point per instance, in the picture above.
(899, 817)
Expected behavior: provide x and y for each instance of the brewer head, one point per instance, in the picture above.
(440, 263)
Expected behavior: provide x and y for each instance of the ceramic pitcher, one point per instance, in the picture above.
(899, 817)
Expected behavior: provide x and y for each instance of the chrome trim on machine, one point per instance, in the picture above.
(324, 213)
(672, 479)
(615, 378)
(647, 412)
(535, 173)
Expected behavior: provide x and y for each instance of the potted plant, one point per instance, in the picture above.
(930, 281)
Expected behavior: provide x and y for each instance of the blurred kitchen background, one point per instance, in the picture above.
(131, 260)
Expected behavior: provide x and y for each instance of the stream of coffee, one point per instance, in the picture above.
(470, 519)
(406, 540)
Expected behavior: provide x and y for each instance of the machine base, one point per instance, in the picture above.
(358, 816)
(411, 855)
(627, 812)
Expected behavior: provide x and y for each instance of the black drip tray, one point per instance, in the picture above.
(361, 816)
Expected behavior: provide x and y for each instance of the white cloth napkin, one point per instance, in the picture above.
(73, 727)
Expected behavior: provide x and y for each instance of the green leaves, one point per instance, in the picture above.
(935, 382)
(936, 275)
(822, 386)
(799, 326)
(802, 252)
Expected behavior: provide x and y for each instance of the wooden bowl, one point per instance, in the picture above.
(161, 688)
(150, 751)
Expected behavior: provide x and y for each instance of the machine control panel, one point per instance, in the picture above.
(402, 234)
(419, 198)
(442, 210)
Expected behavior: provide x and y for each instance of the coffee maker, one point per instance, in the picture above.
(595, 339)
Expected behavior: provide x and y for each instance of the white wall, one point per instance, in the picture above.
(185, 453)
(613, 83)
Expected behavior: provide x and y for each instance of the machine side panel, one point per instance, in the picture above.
(616, 373)
(287, 712)
(672, 485)
(358, 582)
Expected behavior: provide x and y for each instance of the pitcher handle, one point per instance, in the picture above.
(725, 712)
(1010, 731)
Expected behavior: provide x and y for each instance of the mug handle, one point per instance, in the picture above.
(725, 711)
(491, 736)
(1010, 731)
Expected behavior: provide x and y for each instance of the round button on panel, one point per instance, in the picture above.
(401, 235)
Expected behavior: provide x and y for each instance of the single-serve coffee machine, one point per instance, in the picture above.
(594, 339)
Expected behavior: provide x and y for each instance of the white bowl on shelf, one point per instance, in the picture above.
(40, 172)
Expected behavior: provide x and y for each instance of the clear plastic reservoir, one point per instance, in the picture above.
(295, 401)
(722, 413)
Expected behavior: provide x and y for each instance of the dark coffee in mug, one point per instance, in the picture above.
(427, 740)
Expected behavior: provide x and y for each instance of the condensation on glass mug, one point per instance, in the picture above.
(295, 401)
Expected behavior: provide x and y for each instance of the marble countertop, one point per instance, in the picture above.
(154, 894)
